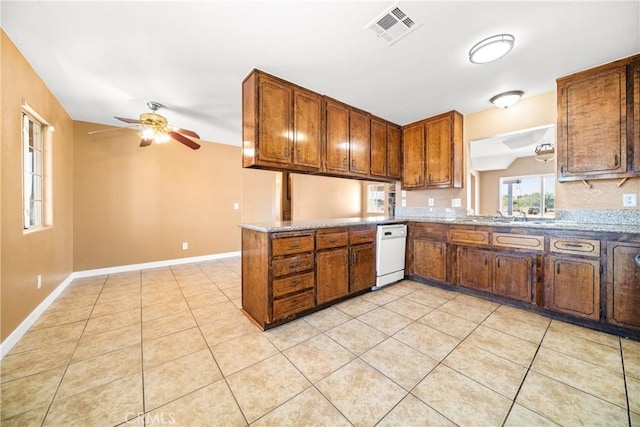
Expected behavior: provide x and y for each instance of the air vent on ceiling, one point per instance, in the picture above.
(393, 24)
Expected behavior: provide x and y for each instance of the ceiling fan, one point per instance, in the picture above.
(155, 128)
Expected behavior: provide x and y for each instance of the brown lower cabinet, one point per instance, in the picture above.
(362, 272)
(430, 259)
(332, 264)
(572, 286)
(623, 284)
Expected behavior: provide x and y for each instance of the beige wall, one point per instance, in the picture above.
(135, 205)
(317, 197)
(490, 181)
(260, 196)
(49, 251)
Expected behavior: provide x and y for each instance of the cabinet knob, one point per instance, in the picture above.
(616, 160)
(298, 154)
(353, 163)
(286, 152)
(638, 260)
(344, 161)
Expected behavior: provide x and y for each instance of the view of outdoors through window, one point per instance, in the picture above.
(375, 198)
(530, 196)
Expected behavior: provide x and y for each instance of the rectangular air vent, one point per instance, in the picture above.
(393, 24)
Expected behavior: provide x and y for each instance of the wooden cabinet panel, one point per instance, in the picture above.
(438, 151)
(332, 268)
(532, 242)
(359, 142)
(362, 268)
(285, 244)
(337, 137)
(413, 152)
(473, 268)
(394, 151)
(307, 128)
(572, 286)
(378, 147)
(291, 284)
(635, 131)
(430, 259)
(477, 237)
(275, 103)
(513, 276)
(623, 284)
(293, 304)
(293, 264)
(575, 246)
(359, 235)
(326, 239)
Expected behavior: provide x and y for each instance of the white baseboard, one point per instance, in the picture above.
(15, 336)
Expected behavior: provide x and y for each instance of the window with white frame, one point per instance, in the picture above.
(375, 198)
(32, 170)
(532, 195)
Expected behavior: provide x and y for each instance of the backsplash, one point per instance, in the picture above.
(433, 212)
(599, 216)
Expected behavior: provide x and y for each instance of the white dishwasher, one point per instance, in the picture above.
(390, 248)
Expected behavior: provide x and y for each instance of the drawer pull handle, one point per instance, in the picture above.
(573, 245)
(498, 262)
(638, 260)
(294, 244)
(295, 282)
(333, 240)
(294, 265)
(486, 260)
(557, 268)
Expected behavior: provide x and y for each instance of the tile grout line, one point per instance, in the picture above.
(624, 378)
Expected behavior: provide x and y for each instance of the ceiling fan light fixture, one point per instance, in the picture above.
(506, 99)
(545, 152)
(491, 48)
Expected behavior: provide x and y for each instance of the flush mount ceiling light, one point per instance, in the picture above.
(506, 99)
(545, 152)
(491, 48)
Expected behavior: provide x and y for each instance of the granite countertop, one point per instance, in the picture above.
(277, 226)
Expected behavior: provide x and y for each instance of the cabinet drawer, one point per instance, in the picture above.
(576, 246)
(521, 241)
(292, 245)
(293, 284)
(287, 306)
(476, 237)
(331, 239)
(293, 264)
(361, 235)
(428, 231)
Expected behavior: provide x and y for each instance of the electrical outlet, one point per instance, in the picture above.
(629, 200)
(39, 281)
(456, 203)
(403, 193)
(431, 201)
(185, 246)
(236, 206)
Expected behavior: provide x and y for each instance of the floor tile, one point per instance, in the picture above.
(318, 357)
(25, 394)
(109, 404)
(428, 298)
(631, 352)
(309, 408)
(408, 308)
(290, 334)
(238, 353)
(401, 363)
(503, 345)
(222, 330)
(170, 347)
(163, 309)
(633, 387)
(104, 342)
(60, 317)
(588, 334)
(34, 339)
(356, 336)
(211, 313)
(94, 372)
(266, 385)
(601, 382)
(494, 372)
(412, 412)
(361, 393)
(211, 404)
(179, 377)
(635, 419)
(520, 416)
(32, 418)
(152, 329)
(583, 349)
(448, 323)
(327, 318)
(462, 400)
(469, 308)
(114, 306)
(384, 320)
(566, 405)
(108, 322)
(380, 296)
(519, 323)
(203, 300)
(19, 365)
(427, 340)
(355, 307)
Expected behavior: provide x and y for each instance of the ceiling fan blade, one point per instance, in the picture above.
(183, 139)
(124, 119)
(145, 142)
(187, 132)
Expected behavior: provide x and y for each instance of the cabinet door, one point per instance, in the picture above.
(337, 137)
(438, 152)
(394, 151)
(413, 150)
(623, 284)
(362, 267)
(378, 147)
(636, 116)
(513, 276)
(592, 124)
(359, 142)
(430, 259)
(572, 286)
(332, 274)
(473, 268)
(275, 106)
(307, 128)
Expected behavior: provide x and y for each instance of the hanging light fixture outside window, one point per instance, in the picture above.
(545, 152)
(491, 48)
(506, 99)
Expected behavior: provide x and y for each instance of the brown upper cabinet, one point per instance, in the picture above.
(432, 152)
(281, 124)
(348, 139)
(598, 122)
(386, 149)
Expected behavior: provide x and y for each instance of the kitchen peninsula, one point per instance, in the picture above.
(585, 273)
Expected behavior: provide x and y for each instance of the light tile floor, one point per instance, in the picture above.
(170, 346)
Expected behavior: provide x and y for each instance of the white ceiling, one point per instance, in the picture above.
(105, 59)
